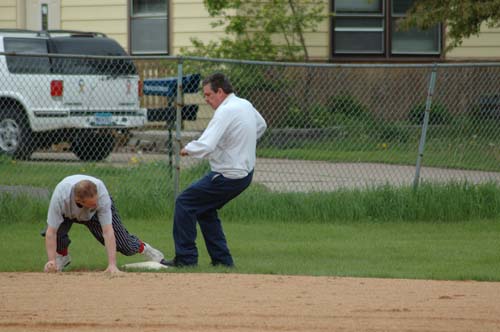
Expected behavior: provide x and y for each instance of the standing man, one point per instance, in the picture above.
(85, 200)
(229, 143)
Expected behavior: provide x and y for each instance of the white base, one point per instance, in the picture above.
(145, 265)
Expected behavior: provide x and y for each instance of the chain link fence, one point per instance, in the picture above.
(329, 126)
(357, 126)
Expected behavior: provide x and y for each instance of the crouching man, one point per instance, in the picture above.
(83, 199)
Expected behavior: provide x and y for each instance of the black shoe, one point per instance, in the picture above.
(175, 263)
(222, 264)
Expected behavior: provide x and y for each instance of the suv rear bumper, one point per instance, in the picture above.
(88, 119)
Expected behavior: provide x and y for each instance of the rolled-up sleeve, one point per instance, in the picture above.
(104, 211)
(55, 214)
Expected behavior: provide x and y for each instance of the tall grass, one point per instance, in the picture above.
(452, 202)
(146, 191)
(21, 208)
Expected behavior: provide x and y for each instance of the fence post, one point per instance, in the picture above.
(178, 126)
(425, 125)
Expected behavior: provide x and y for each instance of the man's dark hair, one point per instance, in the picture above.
(219, 81)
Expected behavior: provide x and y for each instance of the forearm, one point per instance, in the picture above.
(197, 149)
(51, 243)
(110, 244)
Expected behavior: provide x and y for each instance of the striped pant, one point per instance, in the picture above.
(126, 243)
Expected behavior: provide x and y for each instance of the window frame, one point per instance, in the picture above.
(131, 17)
(387, 54)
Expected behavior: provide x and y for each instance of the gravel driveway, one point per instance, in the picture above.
(305, 176)
(285, 175)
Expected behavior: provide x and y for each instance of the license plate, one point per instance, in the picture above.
(103, 119)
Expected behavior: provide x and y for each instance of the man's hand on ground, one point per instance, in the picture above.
(50, 267)
(112, 269)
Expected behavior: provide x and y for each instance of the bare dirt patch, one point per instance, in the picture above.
(91, 301)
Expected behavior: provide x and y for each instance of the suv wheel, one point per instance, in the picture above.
(16, 137)
(92, 145)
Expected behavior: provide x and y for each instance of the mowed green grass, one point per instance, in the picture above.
(449, 231)
(459, 251)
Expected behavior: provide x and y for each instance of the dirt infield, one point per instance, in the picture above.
(90, 301)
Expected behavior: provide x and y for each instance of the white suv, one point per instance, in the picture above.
(83, 99)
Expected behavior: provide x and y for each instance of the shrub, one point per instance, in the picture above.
(438, 115)
(346, 110)
(392, 132)
(340, 111)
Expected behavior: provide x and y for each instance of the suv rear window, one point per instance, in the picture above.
(27, 64)
(90, 46)
(68, 45)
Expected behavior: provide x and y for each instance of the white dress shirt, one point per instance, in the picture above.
(230, 139)
(62, 203)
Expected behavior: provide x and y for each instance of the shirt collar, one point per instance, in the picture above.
(229, 96)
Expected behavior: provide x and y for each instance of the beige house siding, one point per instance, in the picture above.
(8, 14)
(107, 16)
(318, 42)
(486, 46)
(190, 19)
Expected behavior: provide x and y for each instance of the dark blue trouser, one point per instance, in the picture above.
(200, 202)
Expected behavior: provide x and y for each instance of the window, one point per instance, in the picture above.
(369, 28)
(26, 64)
(90, 46)
(148, 26)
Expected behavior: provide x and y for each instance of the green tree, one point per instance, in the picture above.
(252, 28)
(463, 18)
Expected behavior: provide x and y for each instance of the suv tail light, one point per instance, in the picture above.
(56, 88)
(140, 88)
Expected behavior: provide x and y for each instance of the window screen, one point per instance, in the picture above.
(367, 27)
(149, 27)
(149, 7)
(358, 6)
(416, 41)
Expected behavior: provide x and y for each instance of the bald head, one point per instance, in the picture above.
(86, 194)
